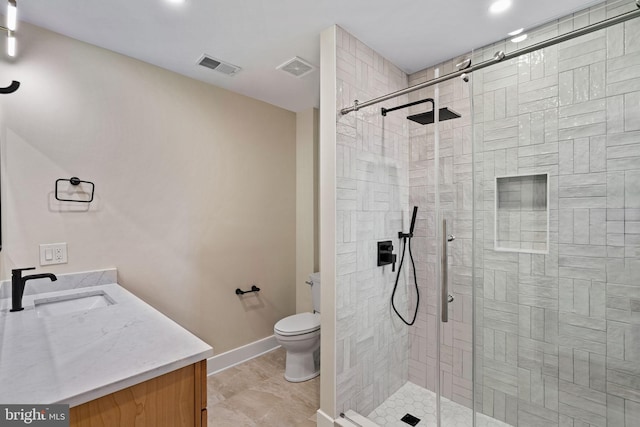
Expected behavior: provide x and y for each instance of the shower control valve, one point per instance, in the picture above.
(386, 255)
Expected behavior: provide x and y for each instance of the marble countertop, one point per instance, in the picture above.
(76, 357)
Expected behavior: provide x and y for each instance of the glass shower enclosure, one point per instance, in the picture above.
(527, 239)
(557, 260)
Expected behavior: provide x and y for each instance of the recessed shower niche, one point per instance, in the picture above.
(522, 213)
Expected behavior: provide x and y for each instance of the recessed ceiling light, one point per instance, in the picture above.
(176, 1)
(519, 38)
(11, 44)
(11, 15)
(516, 32)
(499, 6)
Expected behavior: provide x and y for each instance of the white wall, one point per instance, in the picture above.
(307, 247)
(195, 185)
(327, 155)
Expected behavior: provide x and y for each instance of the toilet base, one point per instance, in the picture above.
(299, 380)
(302, 366)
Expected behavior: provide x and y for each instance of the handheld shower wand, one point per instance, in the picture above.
(407, 237)
(413, 220)
(413, 224)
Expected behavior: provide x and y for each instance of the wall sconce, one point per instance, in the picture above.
(12, 21)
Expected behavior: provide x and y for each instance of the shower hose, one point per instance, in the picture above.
(415, 282)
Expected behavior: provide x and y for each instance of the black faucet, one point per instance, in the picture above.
(18, 283)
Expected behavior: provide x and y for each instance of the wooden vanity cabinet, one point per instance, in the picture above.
(176, 399)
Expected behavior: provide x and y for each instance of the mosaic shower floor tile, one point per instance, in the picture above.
(421, 403)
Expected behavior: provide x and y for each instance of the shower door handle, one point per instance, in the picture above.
(444, 273)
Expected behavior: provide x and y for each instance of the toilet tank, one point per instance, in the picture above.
(315, 290)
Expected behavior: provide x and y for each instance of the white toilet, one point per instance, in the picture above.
(299, 335)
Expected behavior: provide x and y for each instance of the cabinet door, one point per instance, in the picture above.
(170, 400)
(201, 393)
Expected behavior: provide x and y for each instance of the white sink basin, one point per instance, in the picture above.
(65, 304)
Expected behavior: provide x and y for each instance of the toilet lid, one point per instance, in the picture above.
(298, 324)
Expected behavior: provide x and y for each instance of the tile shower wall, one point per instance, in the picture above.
(372, 205)
(456, 189)
(557, 339)
(558, 334)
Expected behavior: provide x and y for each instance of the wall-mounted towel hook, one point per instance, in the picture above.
(11, 88)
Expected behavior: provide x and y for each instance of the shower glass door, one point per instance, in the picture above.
(557, 166)
(452, 246)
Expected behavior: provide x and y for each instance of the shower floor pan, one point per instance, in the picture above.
(421, 403)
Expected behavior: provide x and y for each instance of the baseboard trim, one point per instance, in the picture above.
(239, 355)
(323, 420)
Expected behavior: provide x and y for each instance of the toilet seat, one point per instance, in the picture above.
(298, 324)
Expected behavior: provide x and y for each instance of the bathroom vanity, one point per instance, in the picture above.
(113, 358)
(178, 399)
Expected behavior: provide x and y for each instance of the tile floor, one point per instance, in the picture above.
(255, 393)
(420, 402)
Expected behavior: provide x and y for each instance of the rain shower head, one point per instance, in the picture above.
(427, 118)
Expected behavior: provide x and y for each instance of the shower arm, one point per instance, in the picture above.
(500, 56)
(384, 111)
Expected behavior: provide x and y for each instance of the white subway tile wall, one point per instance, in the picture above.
(372, 205)
(558, 344)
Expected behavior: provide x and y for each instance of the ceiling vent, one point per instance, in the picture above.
(297, 67)
(217, 65)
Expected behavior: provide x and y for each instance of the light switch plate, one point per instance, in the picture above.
(53, 253)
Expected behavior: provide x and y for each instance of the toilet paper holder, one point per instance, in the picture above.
(254, 288)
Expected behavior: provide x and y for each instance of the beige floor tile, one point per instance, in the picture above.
(275, 358)
(256, 393)
(280, 418)
(308, 391)
(307, 423)
(237, 378)
(222, 416)
(254, 404)
(213, 396)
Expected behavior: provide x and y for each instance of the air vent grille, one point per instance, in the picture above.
(296, 67)
(227, 69)
(209, 63)
(219, 66)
